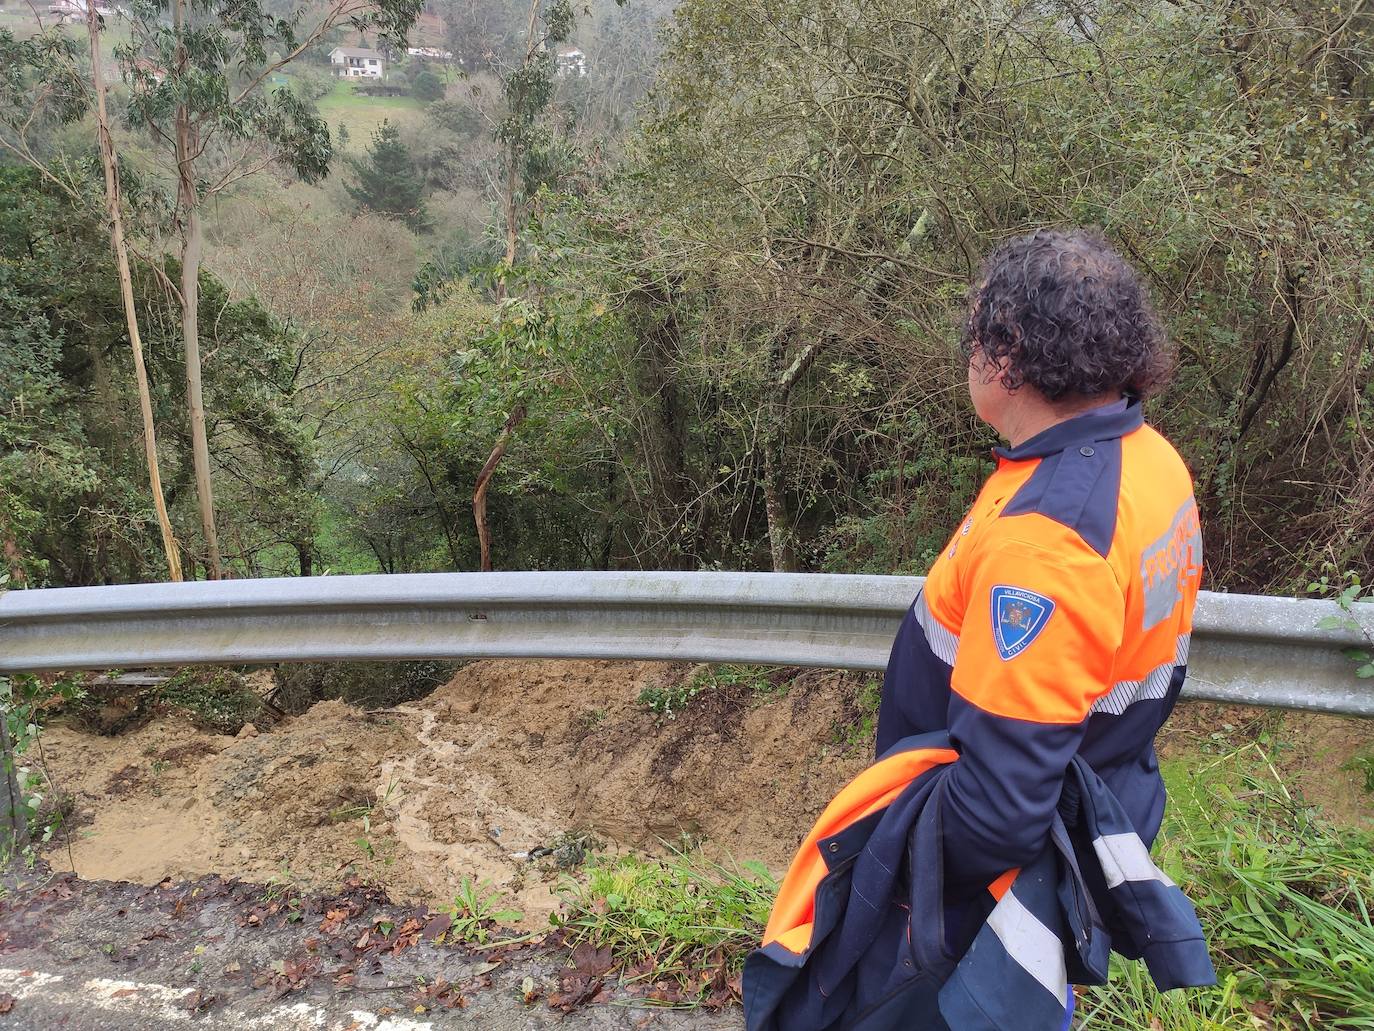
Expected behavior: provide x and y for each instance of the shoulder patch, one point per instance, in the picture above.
(1018, 616)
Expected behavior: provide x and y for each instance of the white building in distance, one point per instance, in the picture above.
(569, 60)
(75, 10)
(357, 63)
(430, 53)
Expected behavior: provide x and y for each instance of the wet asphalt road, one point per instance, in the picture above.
(220, 954)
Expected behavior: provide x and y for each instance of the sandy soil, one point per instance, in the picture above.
(502, 774)
(510, 758)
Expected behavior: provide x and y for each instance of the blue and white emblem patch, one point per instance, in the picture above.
(1018, 616)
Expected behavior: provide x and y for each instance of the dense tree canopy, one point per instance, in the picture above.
(719, 331)
(76, 504)
(789, 242)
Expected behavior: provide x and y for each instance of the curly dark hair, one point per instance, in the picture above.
(1070, 314)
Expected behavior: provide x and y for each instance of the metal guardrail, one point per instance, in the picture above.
(1246, 649)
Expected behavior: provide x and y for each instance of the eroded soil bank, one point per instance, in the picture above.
(512, 769)
(504, 775)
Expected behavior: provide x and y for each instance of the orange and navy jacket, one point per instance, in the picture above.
(1055, 623)
(856, 939)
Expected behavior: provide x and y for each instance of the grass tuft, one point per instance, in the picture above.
(758, 681)
(669, 919)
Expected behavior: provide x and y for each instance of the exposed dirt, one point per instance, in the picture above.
(501, 775)
(1315, 755)
(510, 758)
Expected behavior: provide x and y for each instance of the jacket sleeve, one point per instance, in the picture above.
(902, 666)
(1042, 624)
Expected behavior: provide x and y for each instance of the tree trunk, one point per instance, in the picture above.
(665, 433)
(779, 386)
(479, 494)
(190, 332)
(305, 553)
(126, 290)
(775, 506)
(446, 523)
(510, 205)
(509, 201)
(190, 307)
(9, 549)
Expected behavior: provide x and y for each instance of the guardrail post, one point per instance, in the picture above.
(14, 824)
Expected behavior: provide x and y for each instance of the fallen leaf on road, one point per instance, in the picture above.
(437, 926)
(6, 1002)
(592, 961)
(576, 989)
(197, 1000)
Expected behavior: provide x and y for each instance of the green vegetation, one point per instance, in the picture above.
(678, 918)
(387, 181)
(711, 332)
(861, 728)
(364, 812)
(367, 685)
(476, 912)
(1285, 900)
(1284, 897)
(1363, 765)
(427, 87)
(1346, 591)
(364, 115)
(216, 699)
(75, 487)
(23, 699)
(668, 702)
(715, 335)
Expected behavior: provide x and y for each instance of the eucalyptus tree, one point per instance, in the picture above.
(45, 85)
(198, 73)
(527, 87)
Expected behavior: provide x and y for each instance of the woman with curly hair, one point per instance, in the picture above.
(1057, 619)
(998, 848)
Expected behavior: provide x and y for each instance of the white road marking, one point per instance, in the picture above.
(136, 996)
(147, 999)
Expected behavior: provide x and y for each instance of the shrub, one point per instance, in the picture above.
(368, 685)
(676, 919)
(216, 699)
(427, 87)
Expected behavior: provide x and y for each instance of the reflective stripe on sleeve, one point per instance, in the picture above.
(944, 644)
(1034, 947)
(1154, 685)
(1124, 857)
